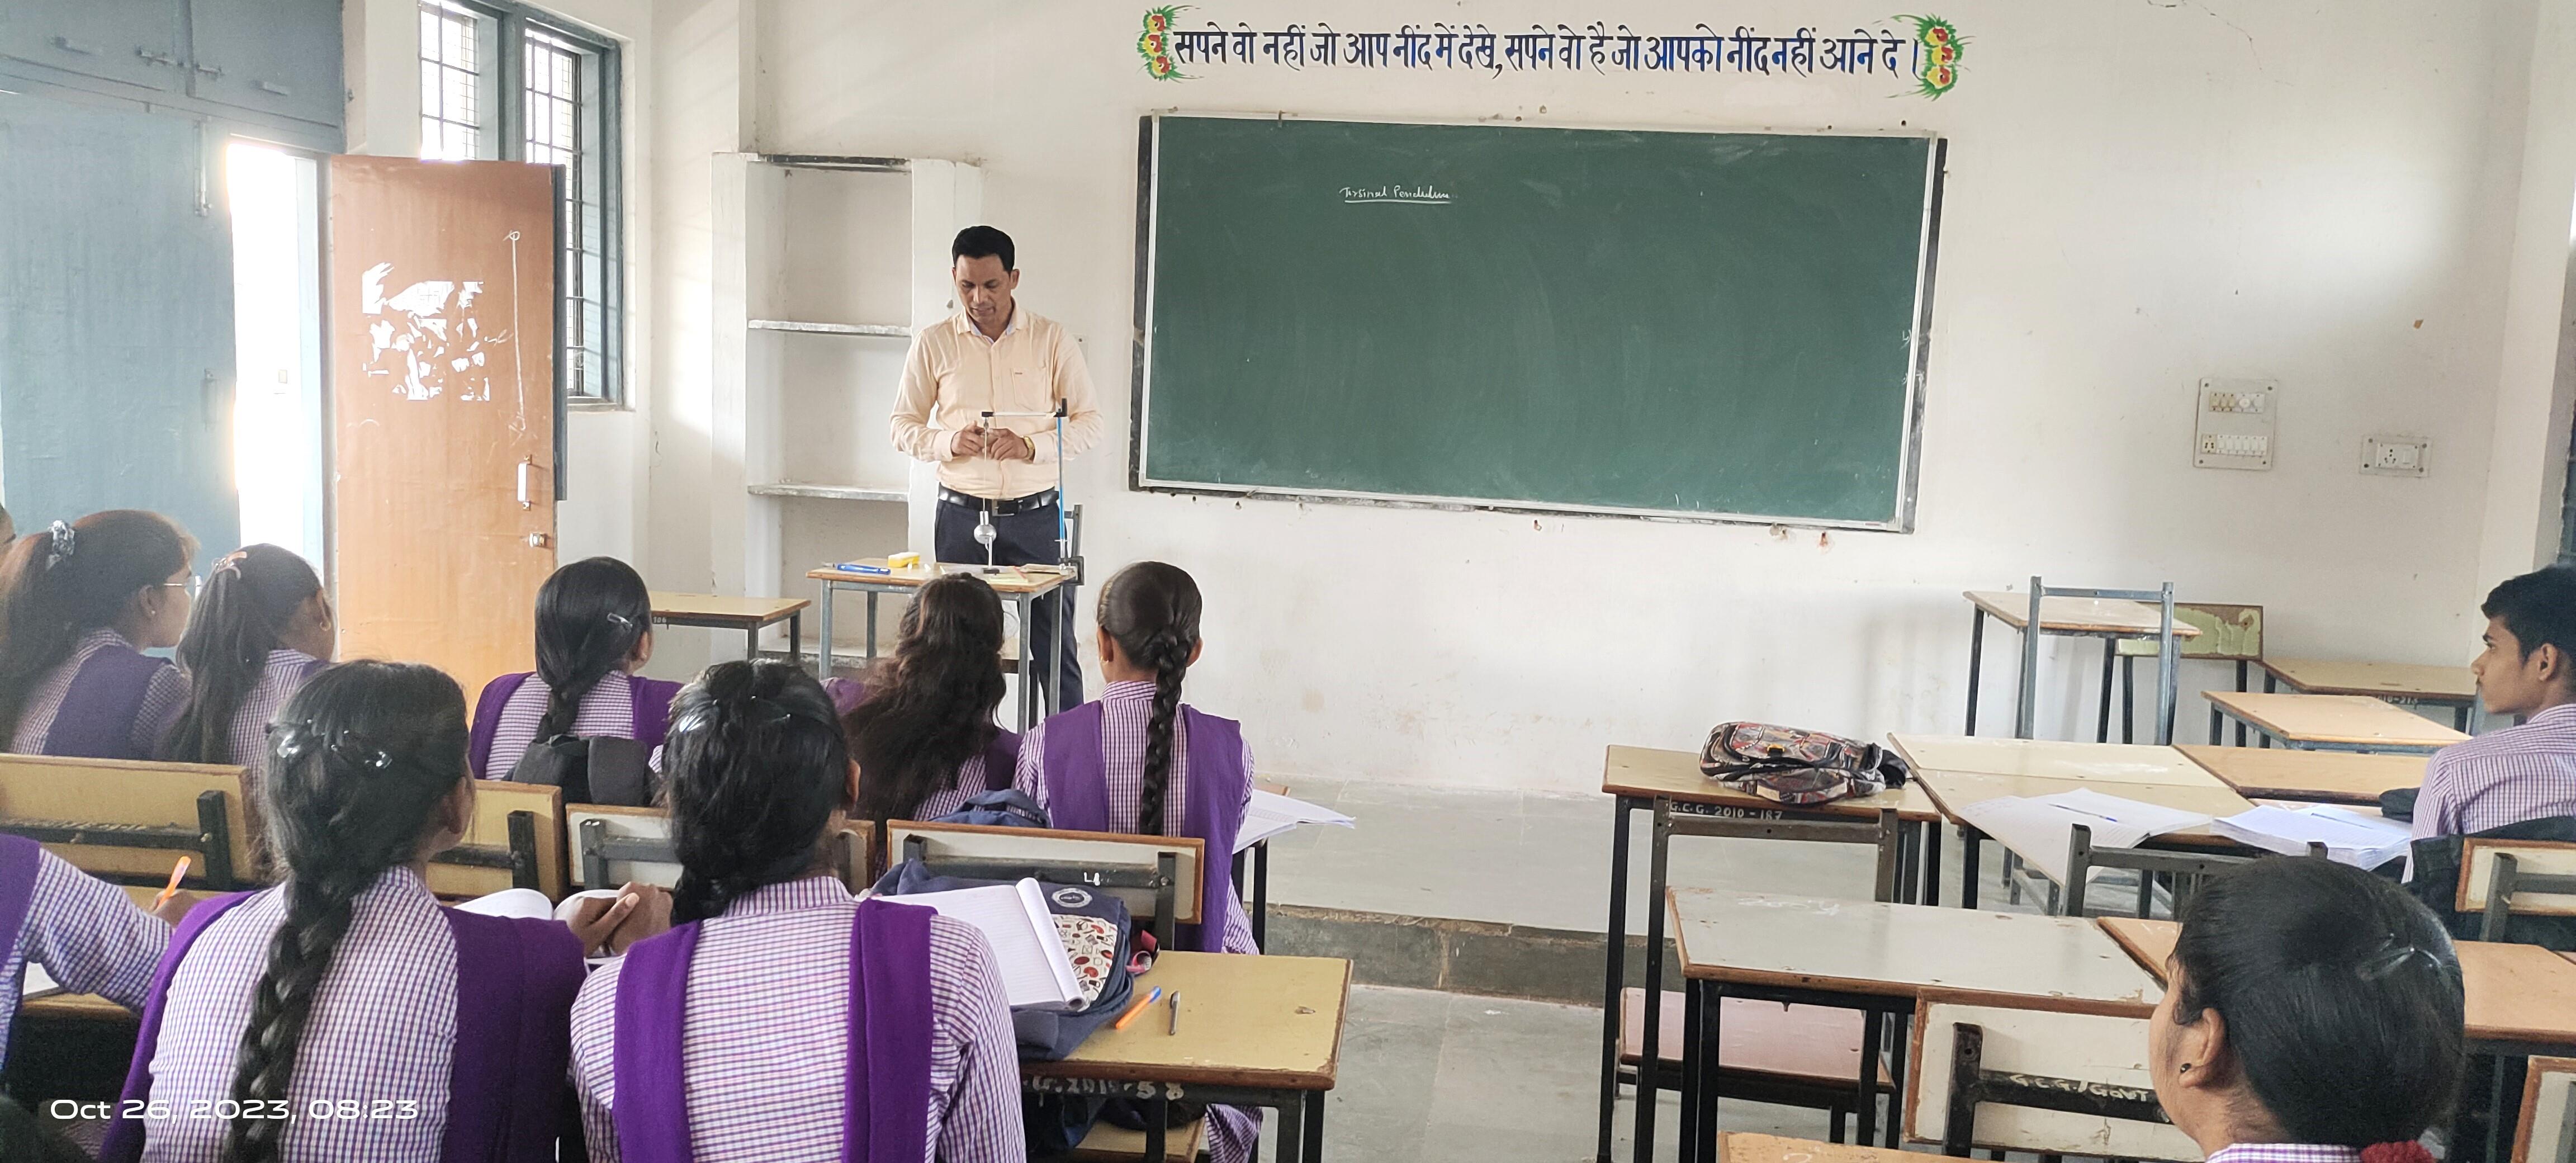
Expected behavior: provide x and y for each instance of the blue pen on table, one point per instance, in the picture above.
(863, 567)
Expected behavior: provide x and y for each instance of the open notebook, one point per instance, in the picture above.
(1037, 973)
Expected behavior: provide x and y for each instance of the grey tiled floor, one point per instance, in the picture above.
(1440, 1077)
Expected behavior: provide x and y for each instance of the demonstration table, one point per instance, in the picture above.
(1021, 586)
(2107, 619)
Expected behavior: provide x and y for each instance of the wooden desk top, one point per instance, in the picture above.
(2352, 720)
(2049, 758)
(914, 577)
(1901, 950)
(1747, 1147)
(1647, 772)
(1957, 789)
(2514, 993)
(1245, 1021)
(2287, 773)
(2079, 615)
(2393, 680)
(746, 613)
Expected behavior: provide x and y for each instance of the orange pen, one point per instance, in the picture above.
(178, 872)
(1137, 1008)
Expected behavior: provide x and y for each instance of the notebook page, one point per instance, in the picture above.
(1019, 949)
(38, 984)
(1042, 918)
(2155, 819)
(2039, 832)
(1270, 814)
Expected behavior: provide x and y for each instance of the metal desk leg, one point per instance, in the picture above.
(823, 626)
(2460, 718)
(1897, 1029)
(1292, 1134)
(1617, 973)
(2128, 700)
(1648, 1051)
(751, 644)
(2110, 658)
(1868, 1109)
(872, 627)
(1260, 893)
(1028, 663)
(1976, 658)
(1055, 647)
(2241, 676)
(1932, 862)
(2271, 685)
(1969, 873)
(796, 638)
(1909, 841)
(1692, 1068)
(1711, 1064)
(1314, 1127)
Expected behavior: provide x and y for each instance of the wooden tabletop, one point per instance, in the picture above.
(1245, 1021)
(2079, 615)
(1011, 579)
(2288, 773)
(1747, 1147)
(1647, 773)
(1900, 950)
(2349, 720)
(742, 613)
(2049, 758)
(2392, 680)
(1953, 790)
(2514, 993)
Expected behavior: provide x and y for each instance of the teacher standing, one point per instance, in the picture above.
(994, 356)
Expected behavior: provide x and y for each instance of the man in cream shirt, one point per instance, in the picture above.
(994, 356)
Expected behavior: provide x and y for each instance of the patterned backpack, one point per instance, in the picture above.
(1793, 766)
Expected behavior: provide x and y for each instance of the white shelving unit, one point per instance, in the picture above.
(801, 400)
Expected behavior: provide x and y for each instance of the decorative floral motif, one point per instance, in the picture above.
(1155, 44)
(1938, 58)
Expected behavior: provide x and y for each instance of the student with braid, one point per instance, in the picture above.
(1140, 761)
(262, 627)
(79, 604)
(594, 631)
(785, 1018)
(924, 738)
(2312, 1014)
(346, 1012)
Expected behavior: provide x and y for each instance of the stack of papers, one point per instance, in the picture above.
(2039, 829)
(2350, 837)
(1270, 814)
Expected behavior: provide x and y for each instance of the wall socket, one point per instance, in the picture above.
(2235, 424)
(2396, 456)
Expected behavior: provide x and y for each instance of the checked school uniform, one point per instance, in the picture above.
(246, 743)
(441, 1034)
(749, 1036)
(974, 777)
(622, 706)
(107, 701)
(1086, 767)
(85, 932)
(2502, 777)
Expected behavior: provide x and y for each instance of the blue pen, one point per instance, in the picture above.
(863, 567)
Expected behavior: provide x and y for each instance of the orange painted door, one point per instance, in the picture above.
(441, 314)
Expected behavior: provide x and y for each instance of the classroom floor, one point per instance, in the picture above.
(1439, 1076)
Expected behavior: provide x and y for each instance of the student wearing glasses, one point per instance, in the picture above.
(79, 604)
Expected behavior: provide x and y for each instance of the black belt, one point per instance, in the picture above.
(1016, 505)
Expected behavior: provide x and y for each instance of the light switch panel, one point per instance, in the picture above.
(2235, 425)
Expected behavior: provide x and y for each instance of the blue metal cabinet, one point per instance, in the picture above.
(279, 57)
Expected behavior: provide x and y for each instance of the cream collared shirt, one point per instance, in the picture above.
(954, 375)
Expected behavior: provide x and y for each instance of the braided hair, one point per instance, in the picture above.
(1152, 610)
(757, 764)
(590, 615)
(358, 762)
(57, 586)
(2341, 995)
(933, 710)
(248, 603)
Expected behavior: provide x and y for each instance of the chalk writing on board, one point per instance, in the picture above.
(1929, 57)
(1412, 195)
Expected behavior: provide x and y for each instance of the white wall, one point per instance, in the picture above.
(2139, 196)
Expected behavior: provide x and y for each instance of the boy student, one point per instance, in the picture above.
(2528, 669)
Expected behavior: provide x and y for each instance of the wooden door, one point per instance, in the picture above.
(441, 309)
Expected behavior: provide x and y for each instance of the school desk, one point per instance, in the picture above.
(2333, 722)
(2187, 787)
(2399, 682)
(2547, 1130)
(1877, 958)
(2104, 763)
(1669, 782)
(1254, 1031)
(1020, 589)
(2330, 777)
(749, 615)
(2107, 619)
(1748, 1147)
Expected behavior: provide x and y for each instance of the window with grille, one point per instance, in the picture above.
(509, 82)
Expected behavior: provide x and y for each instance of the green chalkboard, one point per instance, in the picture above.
(1714, 325)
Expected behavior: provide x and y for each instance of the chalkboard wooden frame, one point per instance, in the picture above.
(1141, 362)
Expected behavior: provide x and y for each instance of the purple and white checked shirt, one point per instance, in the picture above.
(383, 1027)
(766, 1038)
(2286, 1153)
(284, 673)
(609, 709)
(2504, 777)
(965, 785)
(162, 701)
(89, 935)
(1126, 709)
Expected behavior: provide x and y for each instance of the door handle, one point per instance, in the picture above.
(528, 469)
(67, 44)
(538, 540)
(157, 58)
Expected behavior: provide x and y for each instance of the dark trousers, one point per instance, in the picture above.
(1027, 537)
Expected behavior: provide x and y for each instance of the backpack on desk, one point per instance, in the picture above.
(601, 770)
(1794, 766)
